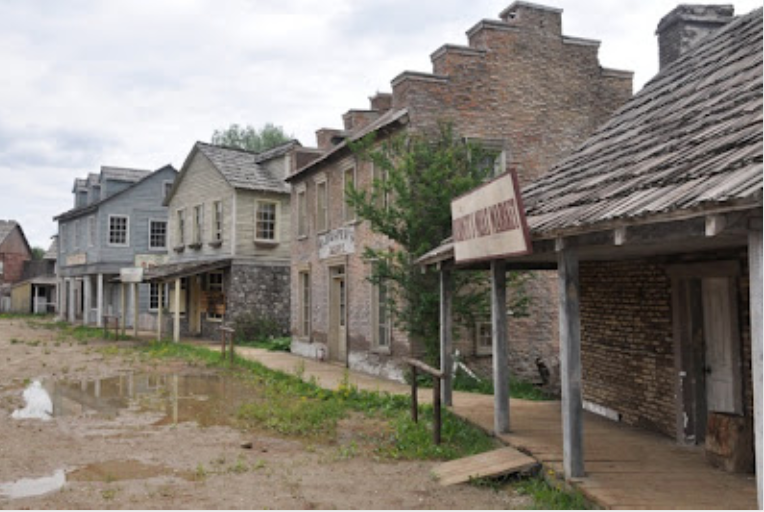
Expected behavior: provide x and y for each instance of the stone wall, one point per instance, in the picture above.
(261, 289)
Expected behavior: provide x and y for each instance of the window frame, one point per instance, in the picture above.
(302, 212)
(166, 189)
(197, 233)
(154, 296)
(481, 349)
(217, 221)
(322, 205)
(305, 321)
(218, 287)
(376, 324)
(180, 228)
(151, 224)
(127, 230)
(276, 224)
(346, 208)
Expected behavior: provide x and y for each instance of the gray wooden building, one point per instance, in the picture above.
(118, 221)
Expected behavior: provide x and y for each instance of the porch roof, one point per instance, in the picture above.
(179, 270)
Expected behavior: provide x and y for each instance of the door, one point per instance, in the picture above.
(337, 315)
(722, 346)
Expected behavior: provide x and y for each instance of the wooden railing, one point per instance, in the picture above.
(227, 333)
(106, 319)
(437, 377)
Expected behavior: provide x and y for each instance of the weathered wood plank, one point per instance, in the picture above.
(504, 461)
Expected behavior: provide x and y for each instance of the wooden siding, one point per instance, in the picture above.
(245, 227)
(203, 184)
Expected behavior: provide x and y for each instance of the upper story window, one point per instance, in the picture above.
(322, 207)
(266, 221)
(119, 226)
(379, 176)
(348, 184)
(217, 221)
(157, 234)
(302, 213)
(305, 306)
(198, 224)
(92, 235)
(181, 227)
(166, 188)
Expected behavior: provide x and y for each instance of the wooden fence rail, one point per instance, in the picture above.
(437, 377)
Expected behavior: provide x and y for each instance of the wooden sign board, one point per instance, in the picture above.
(131, 275)
(489, 222)
(337, 242)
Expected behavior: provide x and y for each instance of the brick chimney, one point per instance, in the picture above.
(680, 29)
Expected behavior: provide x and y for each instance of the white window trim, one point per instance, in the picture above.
(276, 226)
(166, 229)
(165, 296)
(127, 231)
(321, 180)
(345, 205)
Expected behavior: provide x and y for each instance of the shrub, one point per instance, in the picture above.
(253, 327)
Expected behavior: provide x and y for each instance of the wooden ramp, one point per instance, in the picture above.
(503, 461)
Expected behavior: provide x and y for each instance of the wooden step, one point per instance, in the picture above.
(504, 461)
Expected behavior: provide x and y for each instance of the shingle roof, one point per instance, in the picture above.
(691, 139)
(240, 169)
(275, 152)
(123, 174)
(6, 226)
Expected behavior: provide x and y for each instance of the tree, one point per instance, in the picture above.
(251, 139)
(38, 253)
(409, 202)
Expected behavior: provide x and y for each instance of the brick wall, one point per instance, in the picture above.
(13, 253)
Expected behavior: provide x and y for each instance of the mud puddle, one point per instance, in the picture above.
(205, 399)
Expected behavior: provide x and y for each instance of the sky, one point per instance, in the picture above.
(134, 83)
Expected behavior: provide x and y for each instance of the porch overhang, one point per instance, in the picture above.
(172, 271)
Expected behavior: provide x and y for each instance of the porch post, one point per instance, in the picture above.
(87, 300)
(755, 277)
(499, 334)
(446, 346)
(70, 302)
(99, 300)
(160, 306)
(123, 307)
(135, 309)
(176, 313)
(570, 363)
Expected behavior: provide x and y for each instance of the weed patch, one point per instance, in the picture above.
(517, 388)
(550, 496)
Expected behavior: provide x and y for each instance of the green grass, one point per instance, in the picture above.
(548, 496)
(80, 333)
(517, 388)
(274, 344)
(292, 407)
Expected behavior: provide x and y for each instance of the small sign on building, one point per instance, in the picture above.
(336, 242)
(489, 222)
(131, 275)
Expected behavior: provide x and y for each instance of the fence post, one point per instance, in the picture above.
(436, 408)
(414, 399)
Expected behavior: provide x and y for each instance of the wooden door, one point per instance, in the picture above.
(337, 315)
(722, 346)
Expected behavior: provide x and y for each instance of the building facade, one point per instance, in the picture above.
(14, 252)
(117, 222)
(520, 87)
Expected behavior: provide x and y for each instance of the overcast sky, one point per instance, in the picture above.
(134, 83)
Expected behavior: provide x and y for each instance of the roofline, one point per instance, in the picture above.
(70, 214)
(17, 224)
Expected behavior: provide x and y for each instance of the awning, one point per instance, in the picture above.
(174, 271)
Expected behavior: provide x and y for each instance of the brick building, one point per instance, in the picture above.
(658, 244)
(14, 251)
(521, 87)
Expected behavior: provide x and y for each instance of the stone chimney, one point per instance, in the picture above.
(381, 102)
(680, 29)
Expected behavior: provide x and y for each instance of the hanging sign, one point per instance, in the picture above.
(489, 222)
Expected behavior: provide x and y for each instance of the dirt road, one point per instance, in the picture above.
(82, 426)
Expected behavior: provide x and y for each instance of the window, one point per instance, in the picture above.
(217, 221)
(484, 338)
(91, 231)
(379, 175)
(181, 234)
(349, 184)
(118, 230)
(157, 234)
(382, 334)
(322, 209)
(198, 223)
(304, 294)
(302, 214)
(167, 187)
(1, 266)
(265, 221)
(154, 296)
(214, 296)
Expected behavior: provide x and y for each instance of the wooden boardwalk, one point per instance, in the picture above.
(626, 468)
(501, 462)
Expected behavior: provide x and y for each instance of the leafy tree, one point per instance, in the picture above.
(38, 253)
(416, 178)
(250, 138)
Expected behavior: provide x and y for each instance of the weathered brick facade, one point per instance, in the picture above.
(627, 339)
(519, 82)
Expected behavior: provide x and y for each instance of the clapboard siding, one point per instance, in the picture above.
(202, 184)
(245, 225)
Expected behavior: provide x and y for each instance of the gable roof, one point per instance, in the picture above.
(52, 252)
(387, 119)
(240, 168)
(690, 140)
(7, 227)
(123, 174)
(76, 212)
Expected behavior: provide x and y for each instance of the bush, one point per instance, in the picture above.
(253, 327)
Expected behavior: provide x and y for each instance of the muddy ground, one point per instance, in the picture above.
(131, 433)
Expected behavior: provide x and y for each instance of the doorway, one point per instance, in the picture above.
(337, 314)
(707, 347)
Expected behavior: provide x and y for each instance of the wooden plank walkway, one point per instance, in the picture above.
(501, 462)
(625, 467)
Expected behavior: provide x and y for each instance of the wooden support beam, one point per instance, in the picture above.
(160, 307)
(755, 266)
(619, 236)
(123, 307)
(70, 303)
(715, 224)
(570, 364)
(135, 309)
(446, 343)
(176, 313)
(87, 301)
(500, 359)
(99, 300)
